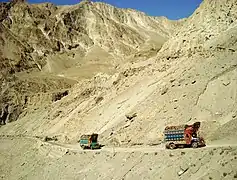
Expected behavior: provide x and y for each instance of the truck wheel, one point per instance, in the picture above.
(194, 145)
(202, 142)
(172, 146)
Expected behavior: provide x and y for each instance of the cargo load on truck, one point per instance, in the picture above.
(183, 136)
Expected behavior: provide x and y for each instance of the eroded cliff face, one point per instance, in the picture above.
(211, 28)
(50, 29)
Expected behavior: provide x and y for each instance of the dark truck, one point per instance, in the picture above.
(183, 136)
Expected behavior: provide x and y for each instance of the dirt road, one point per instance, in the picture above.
(143, 149)
(24, 157)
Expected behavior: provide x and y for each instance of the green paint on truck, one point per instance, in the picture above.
(89, 141)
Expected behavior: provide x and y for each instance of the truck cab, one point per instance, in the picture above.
(89, 141)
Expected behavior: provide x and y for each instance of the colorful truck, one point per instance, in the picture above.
(89, 141)
(183, 136)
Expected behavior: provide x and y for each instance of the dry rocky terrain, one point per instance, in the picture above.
(86, 68)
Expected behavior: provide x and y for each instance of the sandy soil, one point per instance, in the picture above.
(34, 157)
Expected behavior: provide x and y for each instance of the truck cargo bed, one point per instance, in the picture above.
(174, 135)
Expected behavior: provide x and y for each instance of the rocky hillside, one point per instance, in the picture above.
(211, 28)
(182, 84)
(44, 42)
(50, 29)
(93, 68)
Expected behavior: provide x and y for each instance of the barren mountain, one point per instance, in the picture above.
(211, 28)
(86, 68)
(81, 29)
(72, 42)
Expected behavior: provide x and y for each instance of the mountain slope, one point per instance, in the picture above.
(53, 29)
(211, 28)
(80, 80)
(44, 41)
(184, 88)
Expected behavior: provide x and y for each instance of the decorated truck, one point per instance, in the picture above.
(89, 141)
(183, 136)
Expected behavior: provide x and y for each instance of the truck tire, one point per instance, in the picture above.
(194, 145)
(170, 146)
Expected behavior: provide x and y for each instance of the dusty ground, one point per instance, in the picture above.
(33, 157)
(80, 80)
